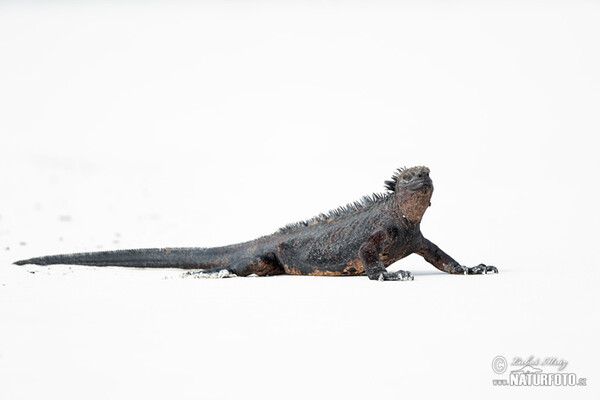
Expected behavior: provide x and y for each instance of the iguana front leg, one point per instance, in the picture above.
(442, 261)
(369, 256)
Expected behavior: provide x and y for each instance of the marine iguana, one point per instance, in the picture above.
(363, 237)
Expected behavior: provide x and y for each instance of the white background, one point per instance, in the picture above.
(131, 124)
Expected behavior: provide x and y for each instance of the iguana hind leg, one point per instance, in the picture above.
(217, 272)
(264, 265)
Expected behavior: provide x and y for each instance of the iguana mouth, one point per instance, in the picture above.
(418, 183)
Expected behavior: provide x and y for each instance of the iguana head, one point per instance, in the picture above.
(409, 179)
(413, 189)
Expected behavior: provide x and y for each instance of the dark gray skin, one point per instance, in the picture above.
(361, 238)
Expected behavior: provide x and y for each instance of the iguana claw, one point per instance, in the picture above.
(480, 269)
(396, 276)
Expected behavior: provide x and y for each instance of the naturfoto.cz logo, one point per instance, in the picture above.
(529, 372)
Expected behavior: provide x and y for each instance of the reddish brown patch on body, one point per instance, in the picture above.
(413, 204)
(265, 266)
(353, 267)
(292, 271)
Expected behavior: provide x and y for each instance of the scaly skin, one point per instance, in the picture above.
(361, 238)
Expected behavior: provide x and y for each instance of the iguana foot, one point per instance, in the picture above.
(396, 276)
(478, 270)
(211, 274)
(482, 269)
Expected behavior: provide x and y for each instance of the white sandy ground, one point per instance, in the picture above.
(201, 125)
(72, 332)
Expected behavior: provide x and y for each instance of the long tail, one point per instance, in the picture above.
(183, 257)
